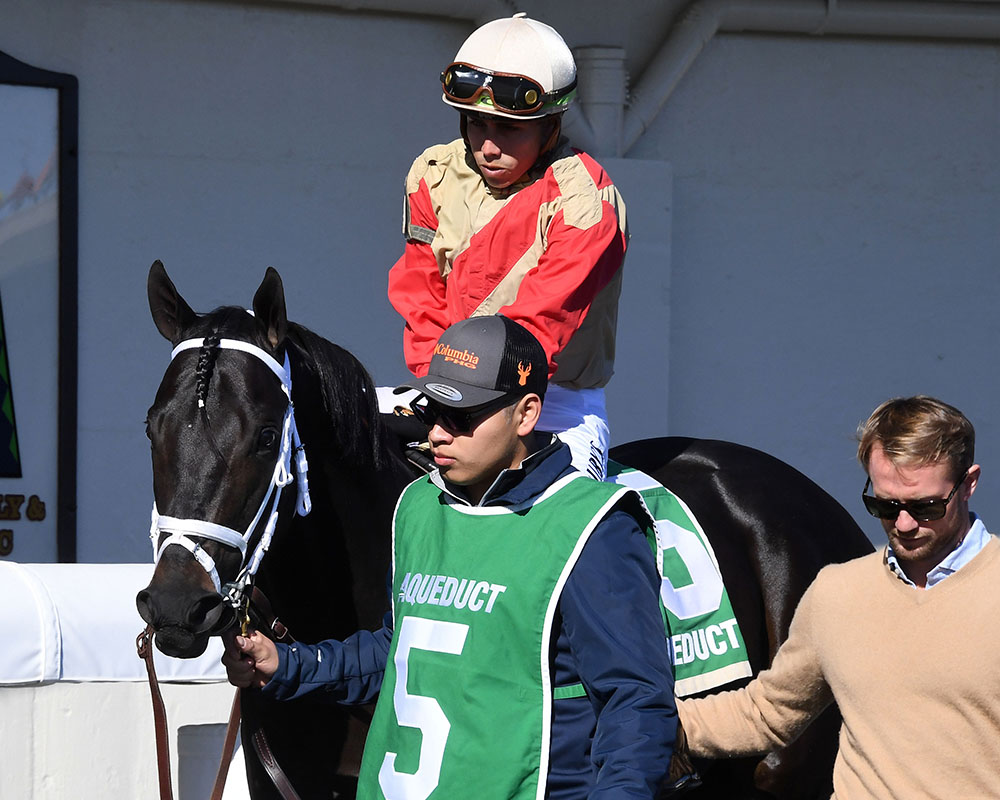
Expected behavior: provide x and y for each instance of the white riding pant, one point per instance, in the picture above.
(577, 416)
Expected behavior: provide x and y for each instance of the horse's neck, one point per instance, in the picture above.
(337, 558)
(363, 500)
(330, 570)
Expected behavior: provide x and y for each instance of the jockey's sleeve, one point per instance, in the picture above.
(416, 288)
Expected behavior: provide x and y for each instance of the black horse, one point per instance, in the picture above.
(216, 430)
(218, 427)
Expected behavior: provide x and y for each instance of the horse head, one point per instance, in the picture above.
(222, 434)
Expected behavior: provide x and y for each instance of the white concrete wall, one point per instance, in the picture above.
(816, 221)
(94, 741)
(836, 243)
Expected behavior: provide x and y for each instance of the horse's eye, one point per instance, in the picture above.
(268, 440)
(148, 434)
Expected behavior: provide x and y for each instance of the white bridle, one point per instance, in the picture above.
(181, 530)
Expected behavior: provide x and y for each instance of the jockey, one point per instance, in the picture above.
(510, 219)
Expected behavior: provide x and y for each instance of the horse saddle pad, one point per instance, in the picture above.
(704, 639)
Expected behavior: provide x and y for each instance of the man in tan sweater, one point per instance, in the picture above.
(906, 640)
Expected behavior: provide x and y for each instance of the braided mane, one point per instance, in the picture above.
(208, 354)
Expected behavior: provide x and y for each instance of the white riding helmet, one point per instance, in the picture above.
(514, 67)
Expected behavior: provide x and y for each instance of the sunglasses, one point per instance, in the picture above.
(920, 510)
(515, 94)
(457, 420)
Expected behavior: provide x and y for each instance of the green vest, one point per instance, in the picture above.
(465, 706)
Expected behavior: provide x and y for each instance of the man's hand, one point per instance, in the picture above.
(682, 776)
(250, 660)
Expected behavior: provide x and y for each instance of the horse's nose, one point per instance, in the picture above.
(145, 606)
(204, 613)
(208, 614)
(183, 626)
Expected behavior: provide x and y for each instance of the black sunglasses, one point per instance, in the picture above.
(515, 94)
(457, 420)
(920, 510)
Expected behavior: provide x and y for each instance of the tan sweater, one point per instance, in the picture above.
(916, 674)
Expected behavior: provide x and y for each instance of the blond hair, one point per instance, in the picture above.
(916, 431)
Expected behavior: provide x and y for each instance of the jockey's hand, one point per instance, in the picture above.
(250, 660)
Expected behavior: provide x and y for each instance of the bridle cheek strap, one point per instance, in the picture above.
(181, 530)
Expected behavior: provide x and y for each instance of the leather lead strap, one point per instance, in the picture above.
(143, 646)
(265, 619)
(228, 748)
(278, 777)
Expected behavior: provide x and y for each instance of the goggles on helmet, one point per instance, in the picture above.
(513, 94)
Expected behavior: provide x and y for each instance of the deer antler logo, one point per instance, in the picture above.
(524, 373)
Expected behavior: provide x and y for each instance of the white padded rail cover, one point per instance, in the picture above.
(78, 622)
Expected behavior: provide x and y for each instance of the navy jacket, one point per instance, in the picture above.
(614, 743)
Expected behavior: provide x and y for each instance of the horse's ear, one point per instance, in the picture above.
(269, 308)
(171, 313)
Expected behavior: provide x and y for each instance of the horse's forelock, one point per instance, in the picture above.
(208, 354)
(229, 322)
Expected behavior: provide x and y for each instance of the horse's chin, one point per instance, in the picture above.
(180, 642)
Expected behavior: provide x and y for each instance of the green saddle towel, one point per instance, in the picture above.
(705, 642)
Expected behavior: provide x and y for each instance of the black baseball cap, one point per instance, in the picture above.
(482, 359)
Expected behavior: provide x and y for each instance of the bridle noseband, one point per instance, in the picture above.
(181, 530)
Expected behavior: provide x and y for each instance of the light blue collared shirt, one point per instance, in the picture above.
(974, 541)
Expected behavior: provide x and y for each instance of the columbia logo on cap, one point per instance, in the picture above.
(463, 357)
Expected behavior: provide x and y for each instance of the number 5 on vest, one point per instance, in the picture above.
(417, 711)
